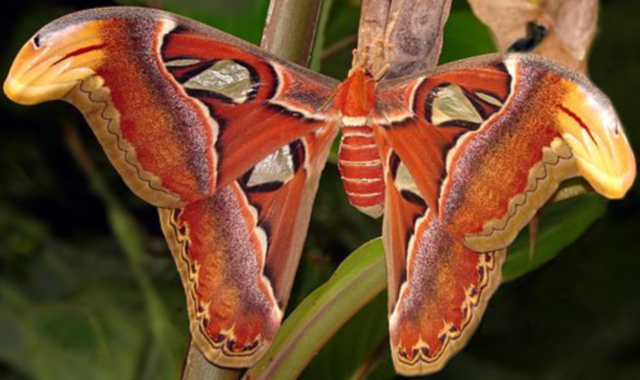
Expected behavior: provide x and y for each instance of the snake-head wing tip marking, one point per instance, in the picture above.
(588, 122)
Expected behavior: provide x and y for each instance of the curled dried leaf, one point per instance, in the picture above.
(571, 24)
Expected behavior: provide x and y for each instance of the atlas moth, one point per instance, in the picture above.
(229, 142)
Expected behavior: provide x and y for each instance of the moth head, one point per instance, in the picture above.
(58, 58)
(589, 124)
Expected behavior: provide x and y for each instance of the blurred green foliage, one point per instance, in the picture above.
(88, 289)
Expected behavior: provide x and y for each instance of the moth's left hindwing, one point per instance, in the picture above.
(227, 140)
(438, 289)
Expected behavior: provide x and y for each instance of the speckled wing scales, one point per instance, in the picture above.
(423, 118)
(257, 105)
(488, 141)
(471, 152)
(180, 108)
(237, 252)
(227, 140)
(438, 288)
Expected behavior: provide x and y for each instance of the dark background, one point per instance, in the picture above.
(88, 288)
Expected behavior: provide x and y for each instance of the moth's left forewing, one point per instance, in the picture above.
(554, 125)
(488, 141)
(424, 117)
(501, 173)
(438, 289)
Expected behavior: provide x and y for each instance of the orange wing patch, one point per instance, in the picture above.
(220, 253)
(442, 108)
(237, 252)
(441, 303)
(438, 288)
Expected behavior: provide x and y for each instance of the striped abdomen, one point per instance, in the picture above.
(361, 170)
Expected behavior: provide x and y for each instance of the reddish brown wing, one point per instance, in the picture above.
(237, 252)
(438, 288)
(227, 139)
(180, 108)
(481, 139)
(423, 118)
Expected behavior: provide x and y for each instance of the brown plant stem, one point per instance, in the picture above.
(413, 29)
(290, 29)
(198, 368)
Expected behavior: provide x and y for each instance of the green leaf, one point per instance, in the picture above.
(242, 18)
(465, 36)
(163, 355)
(360, 278)
(342, 24)
(356, 347)
(319, 40)
(561, 224)
(90, 335)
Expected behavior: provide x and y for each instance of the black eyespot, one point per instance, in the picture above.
(36, 41)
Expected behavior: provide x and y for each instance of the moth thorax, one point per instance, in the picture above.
(356, 98)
